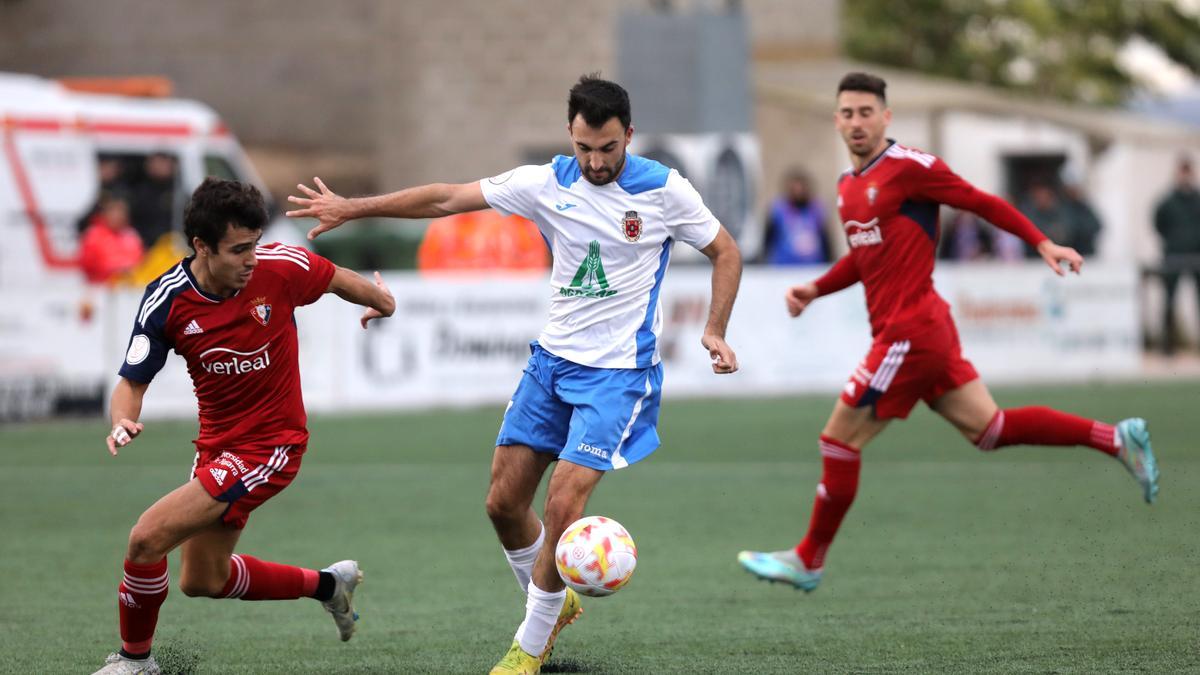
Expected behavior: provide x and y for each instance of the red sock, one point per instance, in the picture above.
(141, 593)
(835, 493)
(1036, 425)
(254, 579)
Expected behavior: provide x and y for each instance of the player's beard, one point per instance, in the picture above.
(608, 177)
(868, 148)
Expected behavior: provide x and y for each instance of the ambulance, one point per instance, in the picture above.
(61, 142)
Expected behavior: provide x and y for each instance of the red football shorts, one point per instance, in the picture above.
(897, 373)
(246, 478)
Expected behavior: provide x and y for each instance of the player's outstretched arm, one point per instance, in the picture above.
(1054, 255)
(842, 275)
(427, 201)
(349, 286)
(798, 298)
(125, 407)
(727, 275)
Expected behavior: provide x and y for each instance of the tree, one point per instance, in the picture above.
(1066, 49)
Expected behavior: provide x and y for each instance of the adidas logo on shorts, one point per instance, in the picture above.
(219, 474)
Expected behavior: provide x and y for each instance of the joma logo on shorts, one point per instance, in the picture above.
(593, 450)
(237, 363)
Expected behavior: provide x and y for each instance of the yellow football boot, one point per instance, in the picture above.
(517, 662)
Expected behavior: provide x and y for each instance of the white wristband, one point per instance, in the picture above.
(120, 435)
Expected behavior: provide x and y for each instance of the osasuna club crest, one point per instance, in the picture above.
(631, 226)
(260, 310)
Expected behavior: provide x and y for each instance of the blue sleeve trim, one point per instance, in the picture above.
(149, 327)
(566, 170)
(642, 175)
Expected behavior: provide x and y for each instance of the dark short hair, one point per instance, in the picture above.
(599, 101)
(218, 203)
(864, 82)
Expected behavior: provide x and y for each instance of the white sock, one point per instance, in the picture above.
(521, 560)
(541, 613)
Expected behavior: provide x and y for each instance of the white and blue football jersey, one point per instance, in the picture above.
(611, 245)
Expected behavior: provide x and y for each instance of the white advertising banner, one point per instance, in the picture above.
(464, 341)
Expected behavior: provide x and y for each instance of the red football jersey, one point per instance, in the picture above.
(241, 351)
(889, 210)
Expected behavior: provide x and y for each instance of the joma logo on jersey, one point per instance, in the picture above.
(236, 363)
(863, 234)
(589, 281)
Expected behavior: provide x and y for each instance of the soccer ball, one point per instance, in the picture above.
(595, 556)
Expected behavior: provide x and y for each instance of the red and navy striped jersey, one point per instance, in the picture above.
(242, 351)
(889, 211)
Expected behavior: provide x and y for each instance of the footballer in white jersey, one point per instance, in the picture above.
(611, 244)
(589, 396)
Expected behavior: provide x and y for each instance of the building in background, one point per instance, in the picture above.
(371, 93)
(376, 95)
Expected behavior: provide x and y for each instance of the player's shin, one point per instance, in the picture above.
(835, 494)
(521, 560)
(254, 579)
(142, 591)
(1037, 425)
(541, 613)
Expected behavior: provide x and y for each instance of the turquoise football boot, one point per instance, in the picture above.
(784, 566)
(1136, 455)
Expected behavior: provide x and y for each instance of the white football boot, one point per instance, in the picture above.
(116, 664)
(348, 577)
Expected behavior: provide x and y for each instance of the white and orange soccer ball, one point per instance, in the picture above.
(595, 556)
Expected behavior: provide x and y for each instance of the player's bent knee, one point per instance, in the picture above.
(145, 545)
(504, 507)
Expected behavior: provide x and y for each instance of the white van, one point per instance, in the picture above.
(55, 329)
(55, 141)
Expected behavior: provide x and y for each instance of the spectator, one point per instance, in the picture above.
(1084, 223)
(969, 237)
(110, 246)
(796, 225)
(482, 241)
(1177, 219)
(965, 238)
(152, 203)
(108, 170)
(1043, 206)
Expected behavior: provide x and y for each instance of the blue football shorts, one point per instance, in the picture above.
(603, 418)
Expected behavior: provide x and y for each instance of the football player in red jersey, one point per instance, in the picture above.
(227, 310)
(888, 203)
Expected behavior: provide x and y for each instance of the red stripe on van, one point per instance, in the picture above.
(34, 124)
(137, 128)
(41, 231)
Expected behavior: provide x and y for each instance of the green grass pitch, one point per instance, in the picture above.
(1034, 560)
